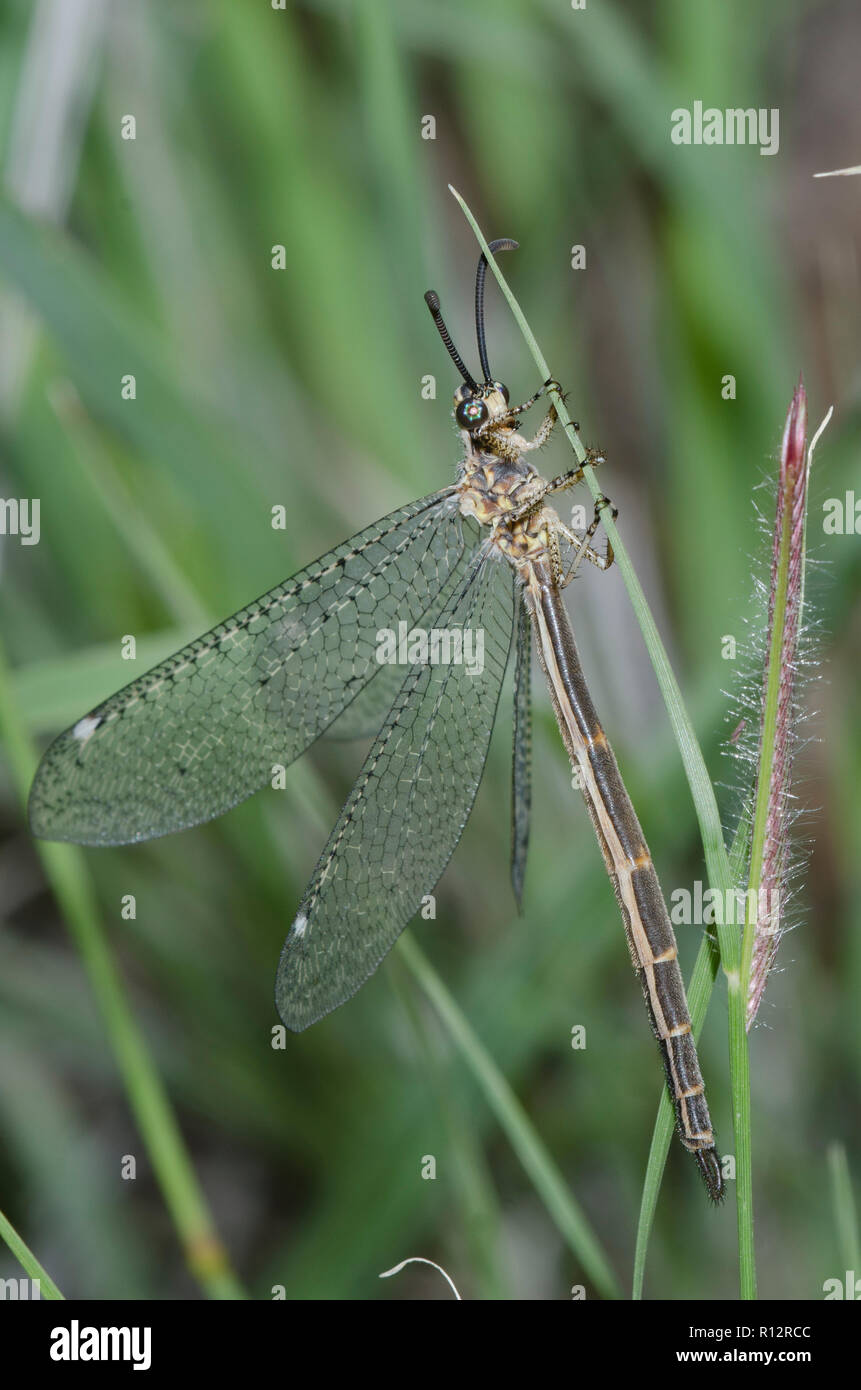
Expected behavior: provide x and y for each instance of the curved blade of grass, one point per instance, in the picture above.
(471, 1178)
(25, 1257)
(702, 792)
(65, 871)
(542, 1171)
(420, 1260)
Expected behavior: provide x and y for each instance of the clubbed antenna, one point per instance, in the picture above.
(504, 243)
(432, 301)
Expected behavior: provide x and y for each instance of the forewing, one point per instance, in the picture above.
(364, 715)
(203, 730)
(521, 790)
(405, 814)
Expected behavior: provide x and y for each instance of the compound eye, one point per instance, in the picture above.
(470, 414)
(503, 390)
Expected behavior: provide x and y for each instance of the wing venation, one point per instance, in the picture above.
(207, 727)
(406, 812)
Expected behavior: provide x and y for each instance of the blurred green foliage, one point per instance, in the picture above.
(258, 127)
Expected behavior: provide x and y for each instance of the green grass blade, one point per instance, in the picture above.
(472, 1183)
(543, 1173)
(845, 1210)
(64, 869)
(25, 1257)
(699, 992)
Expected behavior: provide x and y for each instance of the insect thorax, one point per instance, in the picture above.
(504, 495)
(492, 487)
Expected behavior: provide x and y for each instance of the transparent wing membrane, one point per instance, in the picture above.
(364, 714)
(405, 813)
(197, 734)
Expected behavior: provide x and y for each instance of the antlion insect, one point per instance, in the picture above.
(202, 731)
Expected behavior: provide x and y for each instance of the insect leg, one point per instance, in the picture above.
(581, 543)
(594, 457)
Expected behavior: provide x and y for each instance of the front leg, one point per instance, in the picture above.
(546, 427)
(522, 445)
(511, 445)
(542, 434)
(550, 384)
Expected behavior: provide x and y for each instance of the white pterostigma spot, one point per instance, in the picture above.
(297, 931)
(86, 727)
